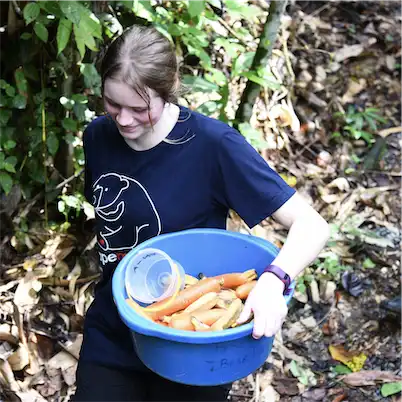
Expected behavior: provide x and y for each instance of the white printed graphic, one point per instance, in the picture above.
(116, 200)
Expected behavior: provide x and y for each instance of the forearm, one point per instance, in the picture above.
(306, 238)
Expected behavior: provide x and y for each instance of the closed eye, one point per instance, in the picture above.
(134, 109)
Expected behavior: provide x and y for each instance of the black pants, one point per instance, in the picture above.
(100, 383)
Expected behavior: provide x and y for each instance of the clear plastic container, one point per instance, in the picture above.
(151, 275)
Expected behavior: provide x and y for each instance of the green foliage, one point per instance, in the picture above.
(341, 369)
(356, 124)
(50, 88)
(304, 375)
(391, 388)
(74, 203)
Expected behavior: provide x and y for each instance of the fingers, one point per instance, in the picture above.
(245, 314)
(266, 326)
(259, 325)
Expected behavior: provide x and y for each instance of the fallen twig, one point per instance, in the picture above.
(66, 282)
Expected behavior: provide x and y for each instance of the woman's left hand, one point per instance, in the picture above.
(267, 303)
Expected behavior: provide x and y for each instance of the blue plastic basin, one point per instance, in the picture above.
(200, 358)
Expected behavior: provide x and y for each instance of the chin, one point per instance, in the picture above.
(134, 135)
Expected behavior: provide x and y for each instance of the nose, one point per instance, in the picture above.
(124, 117)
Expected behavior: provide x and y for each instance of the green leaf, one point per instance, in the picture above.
(41, 31)
(79, 98)
(10, 144)
(367, 263)
(10, 91)
(231, 48)
(31, 12)
(26, 36)
(69, 124)
(79, 40)
(80, 110)
(391, 388)
(69, 138)
(5, 115)
(2, 158)
(20, 80)
(254, 78)
(12, 160)
(242, 63)
(84, 37)
(9, 167)
(63, 34)
(52, 7)
(52, 143)
(208, 108)
(72, 10)
(199, 84)
(19, 102)
(341, 369)
(196, 7)
(301, 287)
(91, 25)
(92, 78)
(294, 369)
(253, 136)
(61, 206)
(304, 375)
(6, 182)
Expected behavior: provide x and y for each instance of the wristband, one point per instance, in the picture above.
(281, 275)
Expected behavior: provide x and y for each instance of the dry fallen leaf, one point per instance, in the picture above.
(285, 385)
(30, 395)
(66, 363)
(369, 377)
(26, 295)
(341, 183)
(50, 382)
(19, 359)
(347, 52)
(353, 89)
(354, 360)
(283, 115)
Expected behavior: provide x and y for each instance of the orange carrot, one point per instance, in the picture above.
(236, 279)
(184, 298)
(183, 321)
(244, 290)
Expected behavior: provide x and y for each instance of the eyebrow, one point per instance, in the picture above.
(132, 107)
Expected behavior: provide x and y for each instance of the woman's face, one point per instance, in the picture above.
(130, 112)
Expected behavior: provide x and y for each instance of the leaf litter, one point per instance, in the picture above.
(337, 344)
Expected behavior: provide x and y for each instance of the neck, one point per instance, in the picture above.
(156, 134)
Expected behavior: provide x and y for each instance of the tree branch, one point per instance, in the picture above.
(262, 55)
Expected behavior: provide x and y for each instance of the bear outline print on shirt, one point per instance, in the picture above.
(110, 192)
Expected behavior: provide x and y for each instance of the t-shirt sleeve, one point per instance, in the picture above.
(245, 181)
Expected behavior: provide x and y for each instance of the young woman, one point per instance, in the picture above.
(155, 167)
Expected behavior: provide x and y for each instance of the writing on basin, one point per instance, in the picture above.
(224, 363)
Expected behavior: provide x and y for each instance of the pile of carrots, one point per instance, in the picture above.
(207, 304)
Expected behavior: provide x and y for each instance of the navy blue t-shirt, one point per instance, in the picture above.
(190, 181)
